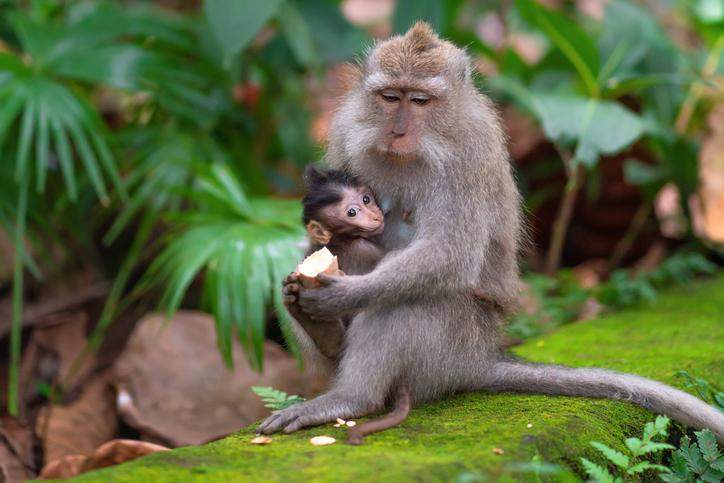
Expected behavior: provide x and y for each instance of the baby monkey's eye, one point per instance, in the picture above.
(366, 199)
(352, 212)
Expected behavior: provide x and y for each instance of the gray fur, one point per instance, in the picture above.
(416, 320)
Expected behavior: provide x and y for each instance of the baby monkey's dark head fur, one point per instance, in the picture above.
(337, 207)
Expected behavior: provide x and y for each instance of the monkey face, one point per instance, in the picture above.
(404, 114)
(356, 214)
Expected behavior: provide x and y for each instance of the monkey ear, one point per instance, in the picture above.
(318, 233)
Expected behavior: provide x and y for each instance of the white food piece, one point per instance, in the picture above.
(351, 424)
(317, 263)
(261, 440)
(322, 440)
(340, 421)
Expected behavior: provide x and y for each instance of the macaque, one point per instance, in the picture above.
(415, 129)
(342, 215)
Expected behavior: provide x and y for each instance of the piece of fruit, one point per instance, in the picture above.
(321, 261)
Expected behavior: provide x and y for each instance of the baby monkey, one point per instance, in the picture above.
(341, 213)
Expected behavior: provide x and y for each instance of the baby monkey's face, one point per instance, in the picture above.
(357, 213)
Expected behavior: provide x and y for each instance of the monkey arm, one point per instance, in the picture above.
(425, 268)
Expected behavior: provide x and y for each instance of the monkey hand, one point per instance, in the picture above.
(336, 297)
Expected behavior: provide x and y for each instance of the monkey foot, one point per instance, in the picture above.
(323, 409)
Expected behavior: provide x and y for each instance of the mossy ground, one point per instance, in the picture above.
(453, 440)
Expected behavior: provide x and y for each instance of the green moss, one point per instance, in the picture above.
(442, 441)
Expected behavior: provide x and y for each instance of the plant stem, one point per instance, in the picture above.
(696, 90)
(565, 213)
(632, 232)
(16, 329)
(111, 307)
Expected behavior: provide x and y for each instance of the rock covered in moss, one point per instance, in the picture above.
(474, 436)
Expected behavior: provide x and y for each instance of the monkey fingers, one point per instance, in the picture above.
(324, 409)
(291, 278)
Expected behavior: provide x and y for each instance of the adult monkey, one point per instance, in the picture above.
(416, 130)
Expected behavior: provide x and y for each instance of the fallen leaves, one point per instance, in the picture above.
(81, 426)
(111, 453)
(206, 400)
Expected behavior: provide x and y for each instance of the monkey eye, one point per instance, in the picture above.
(366, 199)
(419, 100)
(390, 96)
(352, 212)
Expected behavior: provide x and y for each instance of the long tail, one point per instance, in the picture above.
(530, 378)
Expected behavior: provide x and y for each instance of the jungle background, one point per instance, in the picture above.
(150, 163)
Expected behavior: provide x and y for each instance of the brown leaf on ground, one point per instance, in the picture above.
(174, 388)
(111, 453)
(82, 425)
(16, 450)
(63, 468)
(51, 352)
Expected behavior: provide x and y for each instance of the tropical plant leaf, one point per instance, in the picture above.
(407, 12)
(597, 127)
(244, 247)
(236, 22)
(572, 40)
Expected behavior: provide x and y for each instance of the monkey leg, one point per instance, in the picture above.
(402, 405)
(326, 334)
(362, 384)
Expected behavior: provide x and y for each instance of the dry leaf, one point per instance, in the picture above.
(261, 440)
(80, 426)
(111, 453)
(498, 451)
(63, 468)
(16, 451)
(121, 450)
(322, 440)
(175, 389)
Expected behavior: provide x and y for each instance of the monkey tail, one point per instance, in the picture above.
(402, 404)
(531, 378)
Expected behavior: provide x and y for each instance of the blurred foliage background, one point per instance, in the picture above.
(158, 146)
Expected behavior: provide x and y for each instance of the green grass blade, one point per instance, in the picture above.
(90, 163)
(65, 158)
(42, 146)
(16, 328)
(27, 126)
(10, 107)
(107, 160)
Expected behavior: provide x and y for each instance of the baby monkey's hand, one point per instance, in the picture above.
(290, 290)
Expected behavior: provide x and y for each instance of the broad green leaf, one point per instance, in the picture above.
(571, 39)
(637, 173)
(407, 12)
(297, 34)
(596, 127)
(235, 23)
(616, 457)
(335, 39)
(693, 457)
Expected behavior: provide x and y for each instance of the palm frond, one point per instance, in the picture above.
(243, 251)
